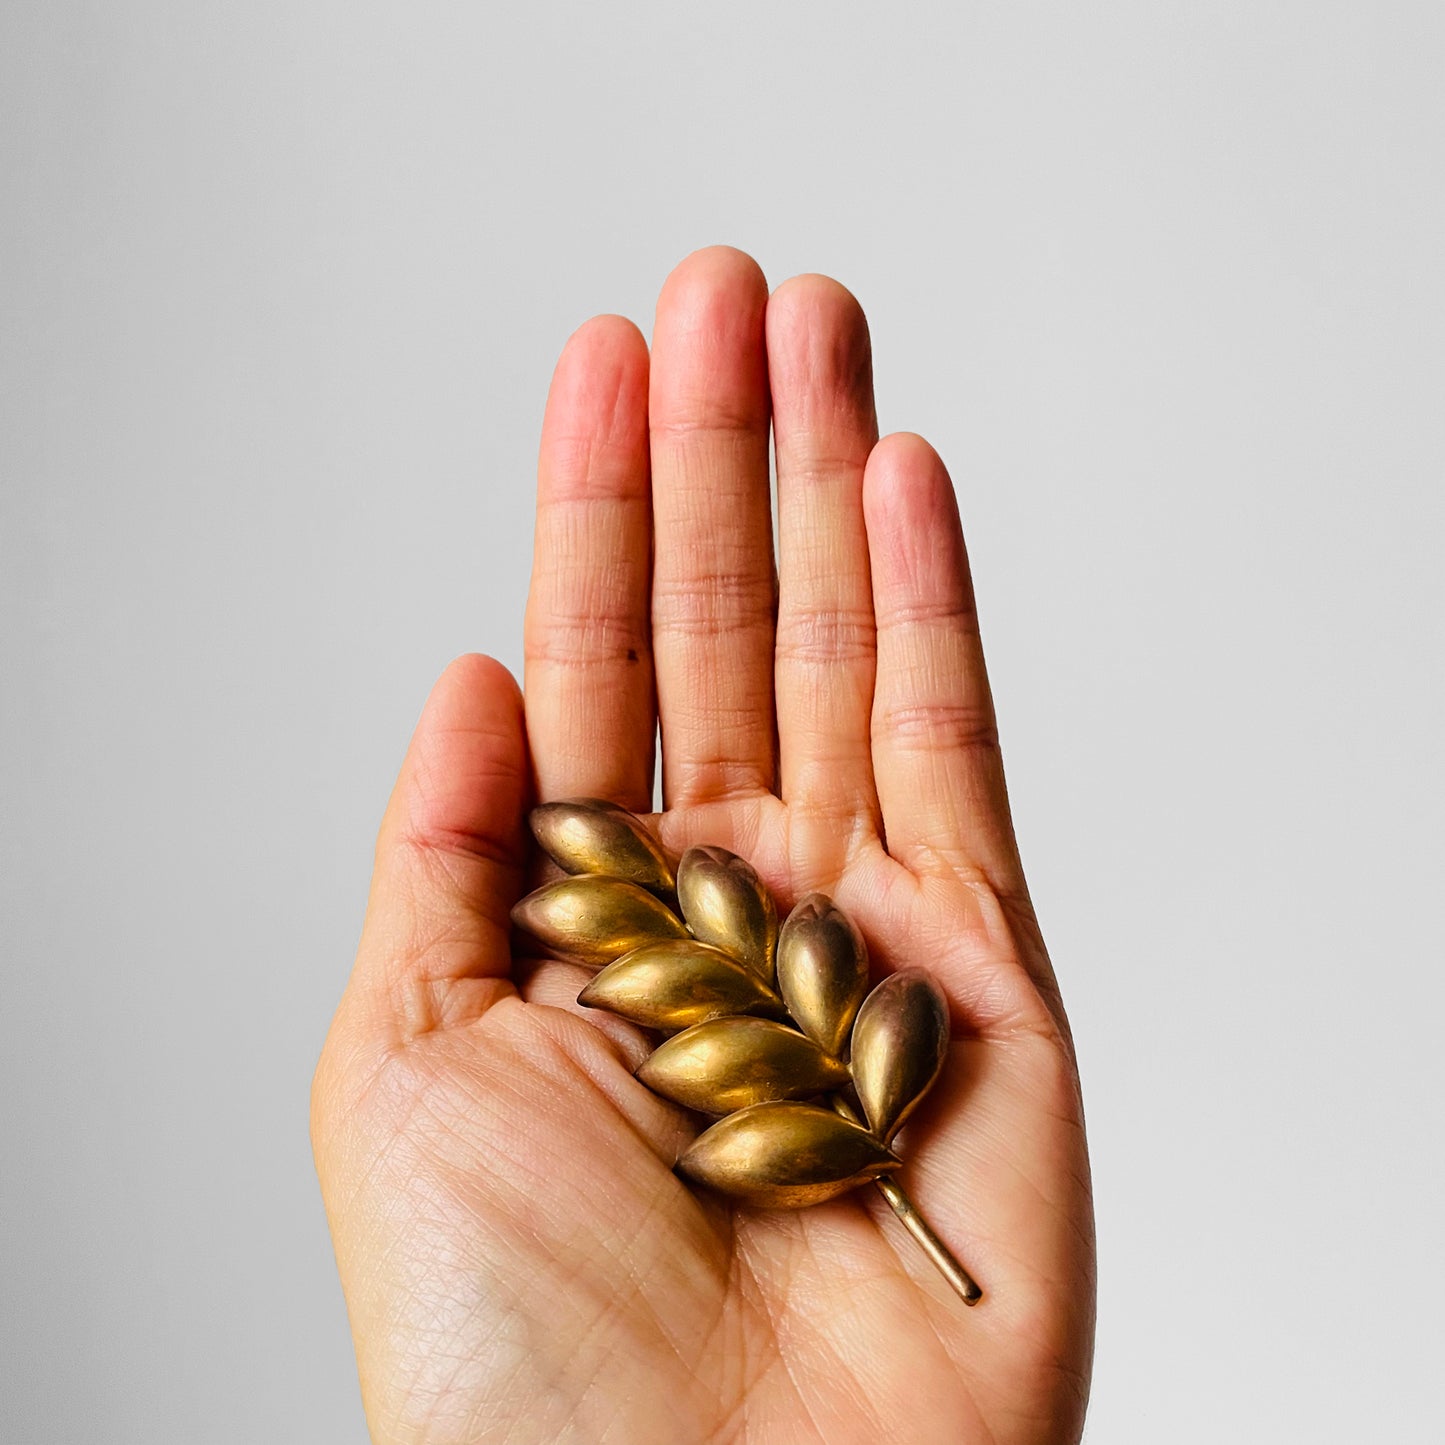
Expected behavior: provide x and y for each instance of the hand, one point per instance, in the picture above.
(520, 1262)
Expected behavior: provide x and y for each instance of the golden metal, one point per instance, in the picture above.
(785, 1156)
(591, 835)
(730, 1063)
(944, 1259)
(711, 977)
(675, 984)
(593, 920)
(900, 1041)
(725, 904)
(822, 971)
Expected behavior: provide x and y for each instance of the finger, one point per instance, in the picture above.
(434, 949)
(590, 716)
(824, 426)
(712, 590)
(935, 746)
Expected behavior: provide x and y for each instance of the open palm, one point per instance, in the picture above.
(520, 1262)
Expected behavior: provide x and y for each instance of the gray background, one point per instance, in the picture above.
(280, 288)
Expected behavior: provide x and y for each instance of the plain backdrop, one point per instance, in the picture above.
(281, 284)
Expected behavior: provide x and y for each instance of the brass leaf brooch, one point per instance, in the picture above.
(771, 1028)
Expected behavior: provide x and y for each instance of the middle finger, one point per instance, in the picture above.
(713, 584)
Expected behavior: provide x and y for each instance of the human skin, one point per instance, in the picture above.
(520, 1262)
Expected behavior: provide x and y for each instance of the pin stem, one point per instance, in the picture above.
(948, 1266)
(907, 1211)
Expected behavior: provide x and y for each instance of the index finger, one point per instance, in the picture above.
(591, 716)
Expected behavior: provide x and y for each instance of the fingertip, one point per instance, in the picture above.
(820, 355)
(603, 362)
(909, 506)
(607, 334)
(710, 269)
(465, 776)
(718, 295)
(470, 684)
(596, 412)
(904, 461)
(817, 302)
(472, 669)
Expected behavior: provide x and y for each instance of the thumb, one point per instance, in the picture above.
(449, 857)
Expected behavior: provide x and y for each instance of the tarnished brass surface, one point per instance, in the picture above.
(711, 977)
(725, 904)
(822, 971)
(595, 920)
(900, 1041)
(590, 835)
(730, 1063)
(785, 1156)
(676, 984)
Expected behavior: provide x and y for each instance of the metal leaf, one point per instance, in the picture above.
(822, 970)
(785, 1156)
(675, 984)
(730, 1063)
(725, 904)
(594, 920)
(900, 1041)
(591, 835)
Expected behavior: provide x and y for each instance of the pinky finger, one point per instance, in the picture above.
(935, 744)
